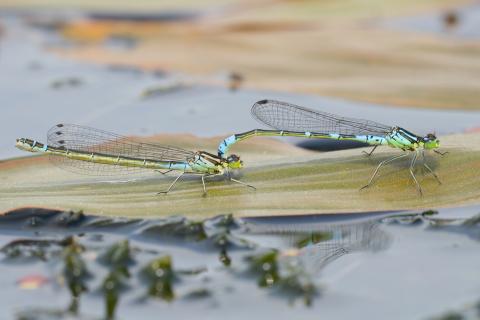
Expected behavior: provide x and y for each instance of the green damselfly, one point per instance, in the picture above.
(91, 151)
(295, 121)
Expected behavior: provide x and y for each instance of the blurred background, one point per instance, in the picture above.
(186, 73)
(149, 67)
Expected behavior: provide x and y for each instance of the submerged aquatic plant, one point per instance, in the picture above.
(178, 229)
(275, 260)
(160, 276)
(112, 285)
(219, 232)
(265, 267)
(27, 249)
(118, 258)
(75, 273)
(283, 274)
(119, 255)
(212, 234)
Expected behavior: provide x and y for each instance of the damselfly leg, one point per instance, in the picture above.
(429, 169)
(379, 166)
(203, 183)
(412, 165)
(242, 183)
(173, 183)
(229, 177)
(371, 152)
(163, 172)
(440, 153)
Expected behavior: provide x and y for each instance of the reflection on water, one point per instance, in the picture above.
(175, 260)
(318, 244)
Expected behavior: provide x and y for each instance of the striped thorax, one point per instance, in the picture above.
(407, 141)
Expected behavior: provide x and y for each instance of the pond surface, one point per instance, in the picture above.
(383, 265)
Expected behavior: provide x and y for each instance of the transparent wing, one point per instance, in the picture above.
(284, 116)
(85, 139)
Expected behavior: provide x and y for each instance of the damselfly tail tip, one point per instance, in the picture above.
(20, 141)
(22, 144)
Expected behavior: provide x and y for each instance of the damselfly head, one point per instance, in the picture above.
(234, 162)
(430, 141)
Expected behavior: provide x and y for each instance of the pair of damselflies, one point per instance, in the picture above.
(92, 151)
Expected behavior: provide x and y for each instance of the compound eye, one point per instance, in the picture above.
(233, 158)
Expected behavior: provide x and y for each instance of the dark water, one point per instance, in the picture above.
(384, 265)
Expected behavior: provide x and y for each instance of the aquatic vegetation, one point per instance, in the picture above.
(160, 277)
(75, 273)
(283, 260)
(297, 285)
(265, 267)
(178, 228)
(26, 249)
(224, 258)
(211, 234)
(118, 256)
(284, 274)
(219, 232)
(112, 285)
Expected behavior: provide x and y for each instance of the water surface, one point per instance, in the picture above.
(383, 265)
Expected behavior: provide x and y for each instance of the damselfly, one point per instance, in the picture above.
(92, 151)
(295, 121)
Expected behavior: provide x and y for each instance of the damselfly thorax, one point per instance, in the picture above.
(403, 139)
(205, 162)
